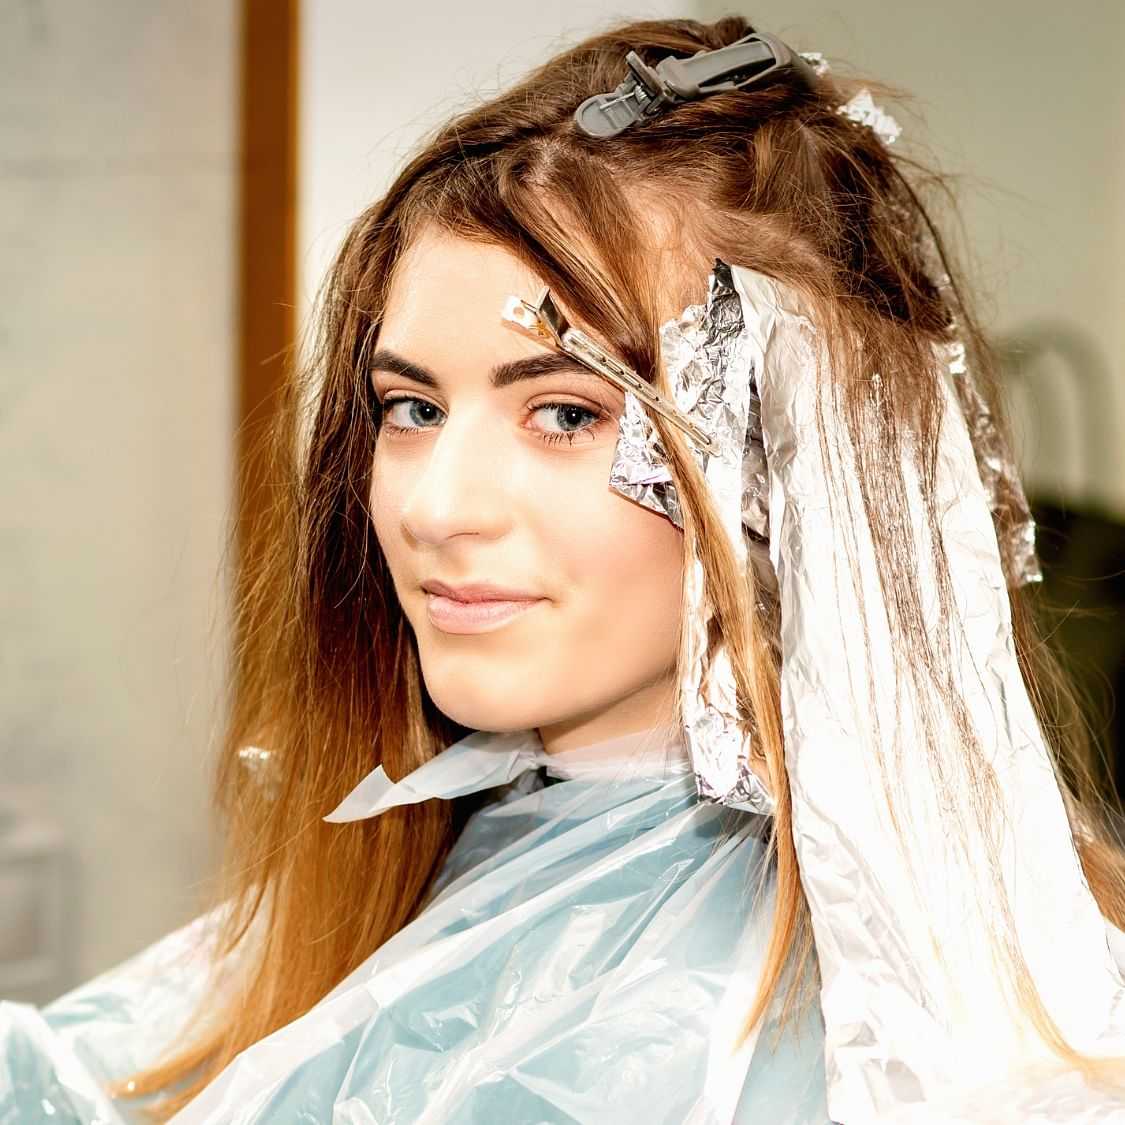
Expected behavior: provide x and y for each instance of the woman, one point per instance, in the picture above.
(684, 799)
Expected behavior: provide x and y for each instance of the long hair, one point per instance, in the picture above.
(327, 673)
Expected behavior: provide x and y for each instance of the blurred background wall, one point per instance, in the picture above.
(153, 209)
(117, 251)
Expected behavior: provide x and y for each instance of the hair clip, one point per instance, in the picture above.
(545, 320)
(648, 91)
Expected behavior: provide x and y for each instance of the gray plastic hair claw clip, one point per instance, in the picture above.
(648, 91)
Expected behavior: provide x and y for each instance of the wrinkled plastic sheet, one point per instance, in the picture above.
(586, 955)
(56, 1063)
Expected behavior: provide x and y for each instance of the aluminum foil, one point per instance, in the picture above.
(640, 468)
(919, 1023)
(863, 111)
(1015, 526)
(817, 61)
(1011, 511)
(710, 357)
(1006, 499)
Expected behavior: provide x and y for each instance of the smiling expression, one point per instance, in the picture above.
(539, 597)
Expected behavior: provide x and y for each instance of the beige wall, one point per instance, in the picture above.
(116, 364)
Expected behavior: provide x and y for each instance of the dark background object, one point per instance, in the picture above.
(1083, 557)
(1081, 548)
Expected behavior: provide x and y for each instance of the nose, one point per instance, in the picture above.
(462, 488)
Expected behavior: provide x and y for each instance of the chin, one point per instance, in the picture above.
(477, 715)
(491, 710)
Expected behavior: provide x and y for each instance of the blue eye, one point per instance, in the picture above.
(419, 415)
(565, 420)
(570, 418)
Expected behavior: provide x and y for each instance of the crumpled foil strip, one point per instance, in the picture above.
(863, 111)
(998, 470)
(861, 108)
(710, 366)
(998, 473)
(817, 61)
(920, 1027)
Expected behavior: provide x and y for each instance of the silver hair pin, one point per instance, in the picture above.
(545, 320)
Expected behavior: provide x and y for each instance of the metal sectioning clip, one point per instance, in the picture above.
(546, 320)
(647, 91)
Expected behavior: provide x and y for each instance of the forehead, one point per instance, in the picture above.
(447, 293)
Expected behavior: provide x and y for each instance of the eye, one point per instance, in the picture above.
(566, 420)
(401, 415)
(557, 421)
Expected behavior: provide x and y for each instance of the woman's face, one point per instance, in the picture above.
(491, 469)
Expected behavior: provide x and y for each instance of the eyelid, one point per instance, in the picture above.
(609, 405)
(569, 398)
(590, 404)
(402, 396)
(600, 416)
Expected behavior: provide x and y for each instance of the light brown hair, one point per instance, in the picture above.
(327, 674)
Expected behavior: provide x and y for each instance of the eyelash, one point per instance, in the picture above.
(598, 416)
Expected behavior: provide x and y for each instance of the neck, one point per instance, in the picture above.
(651, 706)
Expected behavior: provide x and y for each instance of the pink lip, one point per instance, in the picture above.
(476, 608)
(478, 592)
(473, 617)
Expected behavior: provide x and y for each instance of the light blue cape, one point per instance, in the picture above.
(587, 954)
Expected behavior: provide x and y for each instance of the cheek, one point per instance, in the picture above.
(385, 505)
(626, 573)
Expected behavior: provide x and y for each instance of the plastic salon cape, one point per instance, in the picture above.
(587, 954)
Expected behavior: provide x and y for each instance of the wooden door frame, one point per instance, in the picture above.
(266, 240)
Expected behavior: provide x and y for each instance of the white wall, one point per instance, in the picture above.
(116, 374)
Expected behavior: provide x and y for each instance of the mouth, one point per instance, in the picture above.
(477, 608)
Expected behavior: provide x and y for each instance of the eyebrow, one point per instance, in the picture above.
(503, 374)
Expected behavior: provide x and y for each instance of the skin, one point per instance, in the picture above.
(474, 490)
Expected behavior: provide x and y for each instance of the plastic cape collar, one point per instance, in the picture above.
(484, 760)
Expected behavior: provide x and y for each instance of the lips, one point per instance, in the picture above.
(478, 592)
(475, 607)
